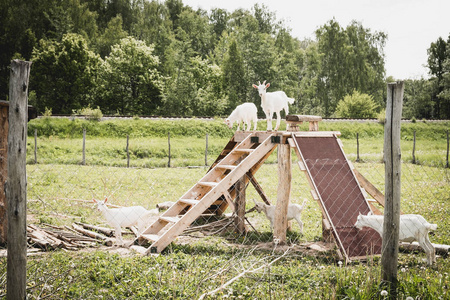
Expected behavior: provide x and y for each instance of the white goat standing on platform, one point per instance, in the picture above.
(412, 228)
(294, 212)
(125, 217)
(273, 102)
(244, 113)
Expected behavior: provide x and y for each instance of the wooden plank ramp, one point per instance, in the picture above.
(236, 162)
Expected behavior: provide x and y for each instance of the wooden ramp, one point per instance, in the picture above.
(244, 154)
(338, 191)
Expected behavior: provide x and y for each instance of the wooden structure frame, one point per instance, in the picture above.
(235, 168)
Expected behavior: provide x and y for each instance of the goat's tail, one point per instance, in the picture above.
(291, 100)
(304, 202)
(431, 226)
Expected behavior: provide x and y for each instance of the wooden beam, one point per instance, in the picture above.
(283, 194)
(258, 188)
(370, 188)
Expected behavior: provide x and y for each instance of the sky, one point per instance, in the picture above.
(411, 25)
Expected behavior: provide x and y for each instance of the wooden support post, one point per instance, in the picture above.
(83, 161)
(240, 187)
(16, 186)
(392, 153)
(283, 194)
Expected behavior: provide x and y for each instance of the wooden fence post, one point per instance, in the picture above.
(35, 146)
(83, 161)
(392, 153)
(283, 193)
(128, 151)
(414, 148)
(168, 140)
(357, 147)
(446, 164)
(16, 186)
(206, 151)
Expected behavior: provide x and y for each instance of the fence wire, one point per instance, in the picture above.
(74, 253)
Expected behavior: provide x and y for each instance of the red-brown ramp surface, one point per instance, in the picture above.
(339, 193)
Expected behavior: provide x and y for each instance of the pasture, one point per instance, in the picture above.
(247, 266)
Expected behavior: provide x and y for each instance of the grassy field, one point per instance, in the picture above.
(60, 192)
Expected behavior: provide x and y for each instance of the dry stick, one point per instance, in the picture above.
(242, 274)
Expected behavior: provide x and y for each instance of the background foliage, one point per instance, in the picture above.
(139, 57)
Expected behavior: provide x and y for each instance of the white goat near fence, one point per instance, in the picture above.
(273, 102)
(412, 228)
(245, 113)
(125, 217)
(294, 212)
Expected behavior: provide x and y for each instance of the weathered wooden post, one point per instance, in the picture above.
(4, 108)
(16, 186)
(446, 160)
(240, 200)
(392, 154)
(83, 161)
(206, 151)
(414, 149)
(35, 146)
(283, 194)
(128, 151)
(168, 141)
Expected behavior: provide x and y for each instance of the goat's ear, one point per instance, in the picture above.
(255, 86)
(106, 199)
(370, 213)
(93, 199)
(267, 85)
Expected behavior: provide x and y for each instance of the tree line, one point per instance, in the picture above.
(140, 57)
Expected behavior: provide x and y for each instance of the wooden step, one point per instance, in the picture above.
(189, 201)
(150, 237)
(227, 167)
(210, 184)
(169, 219)
(244, 150)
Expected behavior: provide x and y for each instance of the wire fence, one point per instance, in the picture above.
(223, 253)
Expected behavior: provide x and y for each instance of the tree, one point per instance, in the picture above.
(130, 81)
(111, 36)
(357, 105)
(234, 77)
(63, 75)
(436, 59)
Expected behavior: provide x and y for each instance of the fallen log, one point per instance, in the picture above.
(104, 230)
(107, 241)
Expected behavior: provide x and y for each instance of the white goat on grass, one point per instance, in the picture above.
(244, 113)
(294, 212)
(273, 102)
(125, 217)
(412, 228)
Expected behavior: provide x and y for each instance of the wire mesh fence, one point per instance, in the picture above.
(223, 253)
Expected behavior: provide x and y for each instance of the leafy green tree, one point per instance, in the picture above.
(418, 99)
(444, 95)
(130, 81)
(234, 76)
(112, 35)
(436, 59)
(358, 106)
(63, 75)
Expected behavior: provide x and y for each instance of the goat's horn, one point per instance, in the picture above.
(259, 82)
(264, 83)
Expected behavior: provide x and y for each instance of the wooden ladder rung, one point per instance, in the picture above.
(210, 184)
(189, 201)
(228, 167)
(244, 150)
(169, 219)
(150, 237)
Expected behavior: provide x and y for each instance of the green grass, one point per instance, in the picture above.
(60, 192)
